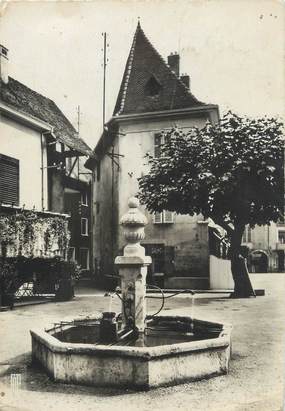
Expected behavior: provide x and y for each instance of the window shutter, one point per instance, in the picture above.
(157, 218)
(84, 258)
(168, 216)
(9, 180)
(167, 138)
(157, 144)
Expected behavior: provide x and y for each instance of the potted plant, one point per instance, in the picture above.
(67, 272)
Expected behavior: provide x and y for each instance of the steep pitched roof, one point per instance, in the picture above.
(145, 63)
(21, 98)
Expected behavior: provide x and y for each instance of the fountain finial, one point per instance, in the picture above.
(133, 202)
(133, 223)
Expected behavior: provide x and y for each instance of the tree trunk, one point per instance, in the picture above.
(243, 287)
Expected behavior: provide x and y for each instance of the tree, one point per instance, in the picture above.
(231, 172)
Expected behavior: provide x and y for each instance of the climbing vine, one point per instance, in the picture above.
(29, 234)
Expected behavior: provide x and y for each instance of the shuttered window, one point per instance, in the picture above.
(84, 226)
(157, 144)
(159, 140)
(246, 237)
(9, 180)
(157, 218)
(166, 217)
(84, 258)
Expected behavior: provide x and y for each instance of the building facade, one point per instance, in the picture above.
(266, 248)
(41, 166)
(152, 97)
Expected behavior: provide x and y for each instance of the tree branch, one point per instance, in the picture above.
(224, 225)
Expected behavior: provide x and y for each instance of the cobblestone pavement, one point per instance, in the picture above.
(255, 380)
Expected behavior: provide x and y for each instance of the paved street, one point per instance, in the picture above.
(255, 380)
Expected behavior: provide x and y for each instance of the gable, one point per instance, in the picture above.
(148, 83)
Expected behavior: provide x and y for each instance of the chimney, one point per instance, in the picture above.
(186, 80)
(173, 62)
(4, 64)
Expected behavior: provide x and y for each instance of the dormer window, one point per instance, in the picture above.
(152, 87)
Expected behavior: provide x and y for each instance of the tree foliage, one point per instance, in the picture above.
(231, 171)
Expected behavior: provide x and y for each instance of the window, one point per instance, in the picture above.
(9, 180)
(84, 258)
(71, 254)
(152, 87)
(281, 237)
(246, 238)
(166, 217)
(84, 226)
(58, 147)
(84, 198)
(159, 140)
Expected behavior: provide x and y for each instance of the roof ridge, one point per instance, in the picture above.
(128, 71)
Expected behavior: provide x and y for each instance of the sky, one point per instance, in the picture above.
(233, 50)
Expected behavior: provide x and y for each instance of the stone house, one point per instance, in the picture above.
(153, 96)
(39, 157)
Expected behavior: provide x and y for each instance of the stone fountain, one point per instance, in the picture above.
(131, 349)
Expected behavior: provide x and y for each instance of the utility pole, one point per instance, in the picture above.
(105, 60)
(78, 130)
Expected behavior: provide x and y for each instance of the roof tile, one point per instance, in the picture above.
(27, 101)
(143, 63)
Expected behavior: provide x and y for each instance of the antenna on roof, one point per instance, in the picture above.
(105, 60)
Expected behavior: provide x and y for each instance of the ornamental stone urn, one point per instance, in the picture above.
(132, 267)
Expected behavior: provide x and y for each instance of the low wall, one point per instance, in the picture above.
(220, 274)
(198, 283)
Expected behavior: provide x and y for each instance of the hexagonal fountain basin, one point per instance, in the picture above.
(173, 350)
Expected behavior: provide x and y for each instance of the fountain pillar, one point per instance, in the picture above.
(132, 267)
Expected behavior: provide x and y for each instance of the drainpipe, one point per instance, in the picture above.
(112, 205)
(91, 213)
(42, 172)
(268, 244)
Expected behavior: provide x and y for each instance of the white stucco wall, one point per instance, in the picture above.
(24, 144)
(220, 274)
(265, 237)
(135, 144)
(186, 238)
(191, 246)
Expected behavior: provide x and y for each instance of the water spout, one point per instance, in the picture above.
(111, 301)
